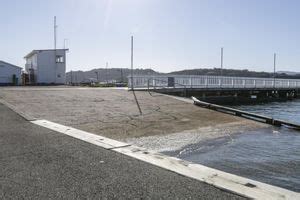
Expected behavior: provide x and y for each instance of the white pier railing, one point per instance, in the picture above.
(213, 82)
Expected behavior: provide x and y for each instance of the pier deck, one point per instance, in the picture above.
(210, 82)
(218, 86)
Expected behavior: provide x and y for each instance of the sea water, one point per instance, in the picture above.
(270, 155)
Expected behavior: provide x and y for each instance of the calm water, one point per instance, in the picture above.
(289, 110)
(269, 155)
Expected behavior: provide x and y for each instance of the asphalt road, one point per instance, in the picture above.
(37, 163)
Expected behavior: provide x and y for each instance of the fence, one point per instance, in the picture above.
(214, 82)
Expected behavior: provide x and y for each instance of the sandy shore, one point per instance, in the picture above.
(113, 113)
(177, 141)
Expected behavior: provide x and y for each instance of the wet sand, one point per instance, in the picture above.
(113, 113)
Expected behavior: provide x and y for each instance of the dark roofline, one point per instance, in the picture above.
(10, 64)
(36, 50)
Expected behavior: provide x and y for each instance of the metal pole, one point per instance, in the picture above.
(55, 54)
(222, 61)
(131, 78)
(274, 74)
(132, 88)
(274, 65)
(55, 27)
(121, 75)
(106, 73)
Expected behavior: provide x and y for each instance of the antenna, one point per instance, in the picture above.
(55, 27)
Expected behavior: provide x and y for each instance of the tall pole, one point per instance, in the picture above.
(71, 77)
(274, 73)
(121, 75)
(131, 78)
(106, 72)
(132, 88)
(222, 61)
(55, 27)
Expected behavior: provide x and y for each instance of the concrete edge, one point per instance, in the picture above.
(13, 108)
(225, 181)
(81, 135)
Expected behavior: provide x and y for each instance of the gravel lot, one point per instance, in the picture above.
(113, 112)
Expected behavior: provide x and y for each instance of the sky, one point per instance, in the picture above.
(169, 35)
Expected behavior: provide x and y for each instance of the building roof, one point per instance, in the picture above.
(39, 50)
(1, 61)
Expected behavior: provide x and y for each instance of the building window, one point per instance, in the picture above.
(60, 59)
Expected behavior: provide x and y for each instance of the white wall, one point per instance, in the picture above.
(48, 71)
(6, 73)
(31, 62)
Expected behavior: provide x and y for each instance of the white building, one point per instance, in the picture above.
(46, 66)
(10, 74)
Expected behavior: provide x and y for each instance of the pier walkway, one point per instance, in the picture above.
(214, 88)
(211, 82)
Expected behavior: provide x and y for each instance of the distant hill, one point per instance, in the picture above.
(110, 74)
(121, 74)
(289, 73)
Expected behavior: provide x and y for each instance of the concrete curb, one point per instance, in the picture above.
(235, 184)
(81, 135)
